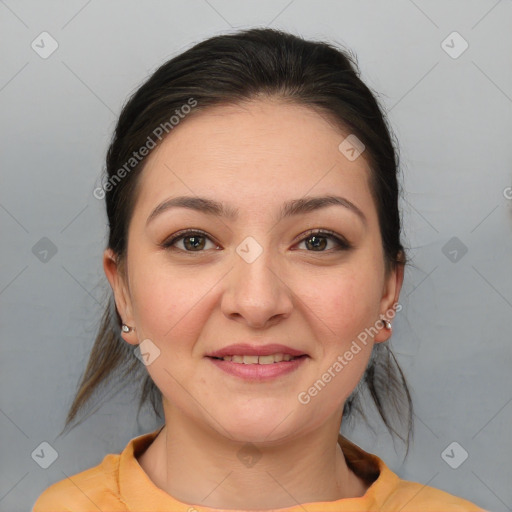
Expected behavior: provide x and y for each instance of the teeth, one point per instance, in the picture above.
(273, 358)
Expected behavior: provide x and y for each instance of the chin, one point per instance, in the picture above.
(270, 427)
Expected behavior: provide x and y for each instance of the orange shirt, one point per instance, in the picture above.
(119, 484)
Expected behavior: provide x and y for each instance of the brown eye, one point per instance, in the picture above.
(195, 242)
(191, 241)
(317, 241)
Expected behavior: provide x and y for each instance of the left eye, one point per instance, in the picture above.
(319, 240)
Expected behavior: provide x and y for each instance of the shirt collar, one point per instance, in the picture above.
(139, 493)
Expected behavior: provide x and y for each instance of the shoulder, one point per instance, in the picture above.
(98, 488)
(389, 493)
(93, 489)
(411, 496)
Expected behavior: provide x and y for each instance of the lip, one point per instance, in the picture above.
(244, 349)
(259, 372)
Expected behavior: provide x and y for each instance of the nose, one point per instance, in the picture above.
(257, 293)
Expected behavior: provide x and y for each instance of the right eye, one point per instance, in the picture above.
(193, 241)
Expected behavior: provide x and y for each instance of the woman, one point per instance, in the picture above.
(255, 259)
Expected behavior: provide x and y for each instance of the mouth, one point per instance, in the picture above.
(256, 354)
(259, 368)
(260, 360)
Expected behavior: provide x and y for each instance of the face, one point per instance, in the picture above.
(258, 276)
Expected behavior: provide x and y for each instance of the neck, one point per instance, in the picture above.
(201, 467)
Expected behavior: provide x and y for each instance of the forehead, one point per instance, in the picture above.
(254, 154)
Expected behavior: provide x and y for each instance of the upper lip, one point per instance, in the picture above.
(243, 349)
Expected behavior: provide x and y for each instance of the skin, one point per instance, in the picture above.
(253, 157)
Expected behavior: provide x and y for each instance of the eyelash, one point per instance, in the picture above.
(343, 245)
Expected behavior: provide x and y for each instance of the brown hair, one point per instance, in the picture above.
(229, 69)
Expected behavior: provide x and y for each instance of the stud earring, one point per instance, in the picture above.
(387, 324)
(126, 328)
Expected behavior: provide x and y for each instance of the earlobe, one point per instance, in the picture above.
(116, 279)
(129, 338)
(385, 330)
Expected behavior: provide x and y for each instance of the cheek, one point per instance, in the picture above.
(168, 311)
(171, 304)
(344, 302)
(340, 312)
(155, 307)
(341, 307)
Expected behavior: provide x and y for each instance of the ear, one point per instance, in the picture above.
(117, 280)
(390, 296)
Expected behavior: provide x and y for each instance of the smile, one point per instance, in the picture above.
(259, 368)
(270, 359)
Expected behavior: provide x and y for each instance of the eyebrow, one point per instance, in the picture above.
(290, 208)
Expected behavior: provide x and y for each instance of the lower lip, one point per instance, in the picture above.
(259, 372)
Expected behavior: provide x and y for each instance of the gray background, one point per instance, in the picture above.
(453, 118)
